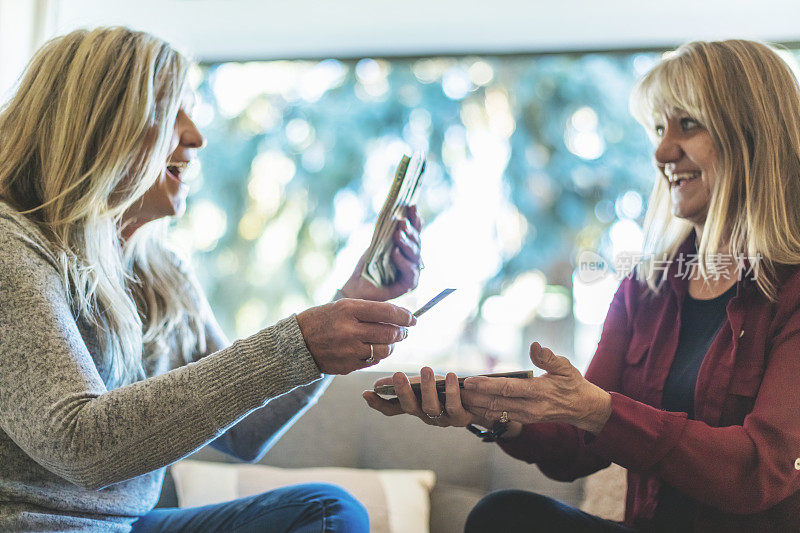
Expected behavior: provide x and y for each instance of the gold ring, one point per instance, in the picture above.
(371, 358)
(436, 418)
(504, 417)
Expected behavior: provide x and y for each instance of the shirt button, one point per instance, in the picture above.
(797, 464)
(741, 334)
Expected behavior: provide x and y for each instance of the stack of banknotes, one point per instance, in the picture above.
(378, 267)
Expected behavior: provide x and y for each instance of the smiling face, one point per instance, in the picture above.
(167, 196)
(687, 159)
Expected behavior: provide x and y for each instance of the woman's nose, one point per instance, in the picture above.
(190, 135)
(192, 138)
(667, 150)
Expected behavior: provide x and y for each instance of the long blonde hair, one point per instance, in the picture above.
(85, 135)
(747, 97)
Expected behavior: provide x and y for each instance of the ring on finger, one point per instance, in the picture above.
(371, 358)
(435, 418)
(504, 417)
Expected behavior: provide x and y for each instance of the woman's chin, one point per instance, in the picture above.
(178, 207)
(695, 218)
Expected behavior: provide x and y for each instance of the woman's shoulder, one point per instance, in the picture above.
(788, 286)
(12, 221)
(637, 292)
(20, 238)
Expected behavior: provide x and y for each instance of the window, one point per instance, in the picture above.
(531, 159)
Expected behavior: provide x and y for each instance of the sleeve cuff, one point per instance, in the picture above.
(253, 370)
(637, 436)
(290, 338)
(543, 442)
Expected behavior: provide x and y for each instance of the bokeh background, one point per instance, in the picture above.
(531, 159)
(522, 106)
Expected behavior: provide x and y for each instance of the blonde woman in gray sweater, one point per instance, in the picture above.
(111, 363)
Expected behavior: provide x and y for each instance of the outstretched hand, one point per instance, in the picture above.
(351, 334)
(560, 395)
(406, 256)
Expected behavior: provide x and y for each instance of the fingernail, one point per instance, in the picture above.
(413, 320)
(472, 383)
(405, 332)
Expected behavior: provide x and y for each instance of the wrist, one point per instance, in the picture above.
(354, 288)
(346, 291)
(599, 415)
(338, 295)
(513, 431)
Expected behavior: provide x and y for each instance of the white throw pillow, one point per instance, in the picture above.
(398, 501)
(604, 493)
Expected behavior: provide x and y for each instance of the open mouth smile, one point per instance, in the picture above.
(679, 179)
(176, 169)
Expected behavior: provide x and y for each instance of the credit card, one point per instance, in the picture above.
(435, 300)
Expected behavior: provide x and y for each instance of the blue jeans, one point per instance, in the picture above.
(519, 511)
(314, 507)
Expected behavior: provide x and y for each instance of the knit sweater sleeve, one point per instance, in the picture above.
(254, 435)
(56, 408)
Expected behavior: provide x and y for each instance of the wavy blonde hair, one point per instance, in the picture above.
(748, 99)
(85, 135)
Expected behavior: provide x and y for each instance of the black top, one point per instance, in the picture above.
(700, 322)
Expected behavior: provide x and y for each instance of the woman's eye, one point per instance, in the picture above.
(689, 123)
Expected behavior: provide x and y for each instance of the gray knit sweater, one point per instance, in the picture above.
(76, 456)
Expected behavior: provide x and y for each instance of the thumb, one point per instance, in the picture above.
(546, 360)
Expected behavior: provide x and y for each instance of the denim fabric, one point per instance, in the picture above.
(518, 511)
(315, 507)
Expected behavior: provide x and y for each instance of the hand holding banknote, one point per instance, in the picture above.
(406, 257)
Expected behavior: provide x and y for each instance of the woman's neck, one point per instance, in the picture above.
(721, 274)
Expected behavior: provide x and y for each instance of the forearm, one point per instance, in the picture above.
(740, 469)
(556, 448)
(257, 433)
(93, 437)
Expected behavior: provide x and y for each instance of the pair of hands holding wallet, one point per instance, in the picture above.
(561, 394)
(436, 400)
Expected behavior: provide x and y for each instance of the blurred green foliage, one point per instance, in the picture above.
(557, 126)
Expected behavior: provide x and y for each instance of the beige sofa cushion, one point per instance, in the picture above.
(604, 493)
(398, 501)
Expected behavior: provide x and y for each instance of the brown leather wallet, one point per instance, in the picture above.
(388, 390)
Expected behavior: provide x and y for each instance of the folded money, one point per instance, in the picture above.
(379, 269)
